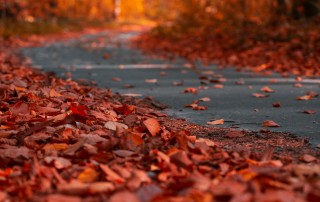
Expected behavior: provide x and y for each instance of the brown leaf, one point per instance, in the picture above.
(270, 123)
(116, 79)
(20, 108)
(181, 159)
(308, 158)
(123, 153)
(216, 122)
(101, 187)
(111, 175)
(106, 56)
(58, 162)
(62, 198)
(13, 152)
(124, 196)
(234, 134)
(152, 125)
(190, 90)
(276, 104)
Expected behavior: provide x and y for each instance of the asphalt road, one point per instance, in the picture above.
(107, 59)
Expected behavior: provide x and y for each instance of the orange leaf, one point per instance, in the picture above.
(267, 89)
(88, 175)
(216, 122)
(54, 93)
(152, 125)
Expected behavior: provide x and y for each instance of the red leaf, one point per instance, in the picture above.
(309, 111)
(79, 109)
(20, 108)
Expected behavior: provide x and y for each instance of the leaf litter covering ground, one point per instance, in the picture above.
(62, 141)
(284, 49)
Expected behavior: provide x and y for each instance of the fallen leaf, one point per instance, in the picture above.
(106, 56)
(58, 162)
(267, 89)
(55, 147)
(14, 152)
(309, 111)
(111, 175)
(54, 93)
(124, 196)
(190, 90)
(112, 125)
(79, 109)
(234, 134)
(88, 175)
(276, 104)
(62, 198)
(116, 79)
(178, 83)
(305, 97)
(270, 123)
(101, 187)
(151, 80)
(20, 108)
(218, 86)
(132, 94)
(152, 125)
(308, 158)
(205, 99)
(259, 95)
(216, 122)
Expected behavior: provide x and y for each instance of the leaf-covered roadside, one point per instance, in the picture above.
(63, 141)
(285, 49)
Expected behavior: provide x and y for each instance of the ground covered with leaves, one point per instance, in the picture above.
(63, 141)
(286, 48)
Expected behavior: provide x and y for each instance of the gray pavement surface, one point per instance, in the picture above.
(84, 58)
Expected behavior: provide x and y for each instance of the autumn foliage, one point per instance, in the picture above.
(260, 35)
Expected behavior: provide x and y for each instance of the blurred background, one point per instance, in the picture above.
(20, 17)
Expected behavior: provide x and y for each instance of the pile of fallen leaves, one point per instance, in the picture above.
(284, 49)
(62, 141)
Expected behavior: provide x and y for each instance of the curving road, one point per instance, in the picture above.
(107, 59)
